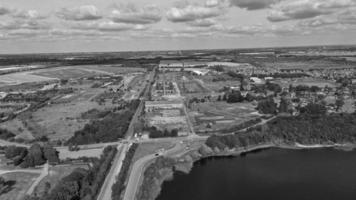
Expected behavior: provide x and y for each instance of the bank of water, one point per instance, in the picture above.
(269, 174)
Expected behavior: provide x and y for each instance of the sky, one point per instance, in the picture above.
(55, 26)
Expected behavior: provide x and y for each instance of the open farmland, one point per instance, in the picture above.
(220, 115)
(59, 121)
(21, 183)
(67, 73)
(312, 64)
(23, 77)
(113, 69)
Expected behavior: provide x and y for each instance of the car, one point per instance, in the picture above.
(156, 154)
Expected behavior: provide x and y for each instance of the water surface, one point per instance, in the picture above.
(277, 174)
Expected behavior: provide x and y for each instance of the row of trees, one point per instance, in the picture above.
(119, 186)
(34, 156)
(315, 128)
(156, 133)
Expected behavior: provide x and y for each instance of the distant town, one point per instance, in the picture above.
(117, 125)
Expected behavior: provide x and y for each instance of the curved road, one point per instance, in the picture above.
(138, 168)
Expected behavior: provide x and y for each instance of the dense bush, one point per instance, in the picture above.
(34, 156)
(156, 133)
(304, 129)
(267, 106)
(234, 97)
(5, 134)
(152, 177)
(112, 127)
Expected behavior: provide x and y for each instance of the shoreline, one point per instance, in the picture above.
(206, 152)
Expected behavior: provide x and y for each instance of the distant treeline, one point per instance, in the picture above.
(81, 60)
(304, 129)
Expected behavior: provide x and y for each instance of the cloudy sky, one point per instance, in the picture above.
(31, 26)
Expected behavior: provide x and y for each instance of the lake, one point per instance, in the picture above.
(277, 174)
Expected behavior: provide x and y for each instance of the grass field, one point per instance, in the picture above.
(67, 73)
(22, 182)
(221, 115)
(23, 77)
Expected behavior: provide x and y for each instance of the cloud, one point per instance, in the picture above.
(253, 4)
(86, 12)
(4, 10)
(109, 26)
(28, 14)
(131, 14)
(305, 9)
(193, 12)
(347, 17)
(203, 23)
(23, 24)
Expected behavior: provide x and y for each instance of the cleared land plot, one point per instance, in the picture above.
(112, 69)
(59, 121)
(220, 115)
(23, 77)
(22, 182)
(93, 152)
(319, 64)
(68, 73)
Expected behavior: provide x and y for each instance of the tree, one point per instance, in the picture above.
(267, 106)
(51, 154)
(234, 97)
(34, 157)
(314, 109)
(339, 103)
(283, 106)
(13, 151)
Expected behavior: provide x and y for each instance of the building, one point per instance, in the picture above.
(151, 106)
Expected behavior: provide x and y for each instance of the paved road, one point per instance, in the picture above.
(6, 143)
(32, 171)
(105, 192)
(138, 168)
(43, 174)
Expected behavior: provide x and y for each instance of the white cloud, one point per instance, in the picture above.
(193, 12)
(86, 12)
(23, 24)
(133, 15)
(28, 14)
(304, 9)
